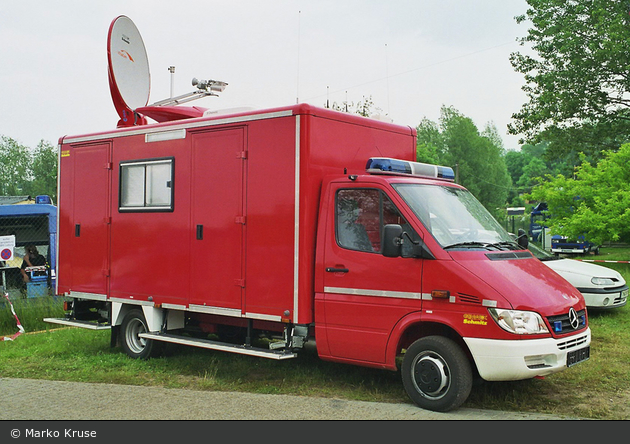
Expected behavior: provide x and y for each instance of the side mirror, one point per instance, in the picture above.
(392, 240)
(522, 239)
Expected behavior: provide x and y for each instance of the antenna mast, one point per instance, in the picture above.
(171, 69)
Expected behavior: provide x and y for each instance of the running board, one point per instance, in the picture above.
(75, 323)
(223, 346)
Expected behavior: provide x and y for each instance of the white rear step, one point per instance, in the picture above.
(223, 346)
(74, 323)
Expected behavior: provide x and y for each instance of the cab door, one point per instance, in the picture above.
(365, 293)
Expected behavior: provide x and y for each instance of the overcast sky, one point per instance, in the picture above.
(410, 56)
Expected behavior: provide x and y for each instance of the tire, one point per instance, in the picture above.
(436, 374)
(136, 347)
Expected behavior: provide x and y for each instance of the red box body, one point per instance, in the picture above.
(239, 237)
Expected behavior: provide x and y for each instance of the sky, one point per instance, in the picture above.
(410, 56)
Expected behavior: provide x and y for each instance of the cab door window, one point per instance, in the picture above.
(360, 215)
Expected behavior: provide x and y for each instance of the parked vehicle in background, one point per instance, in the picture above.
(564, 245)
(558, 244)
(602, 287)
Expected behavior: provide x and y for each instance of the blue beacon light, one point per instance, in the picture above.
(385, 165)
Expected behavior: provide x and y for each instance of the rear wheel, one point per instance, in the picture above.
(132, 326)
(436, 374)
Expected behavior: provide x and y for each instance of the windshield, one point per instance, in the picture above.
(455, 217)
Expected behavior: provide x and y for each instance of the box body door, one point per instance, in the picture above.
(218, 219)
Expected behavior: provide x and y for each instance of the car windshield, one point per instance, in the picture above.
(455, 217)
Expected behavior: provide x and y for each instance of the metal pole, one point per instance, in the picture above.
(171, 69)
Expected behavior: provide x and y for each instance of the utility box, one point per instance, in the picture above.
(37, 288)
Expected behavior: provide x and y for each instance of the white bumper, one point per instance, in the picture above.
(505, 360)
(605, 300)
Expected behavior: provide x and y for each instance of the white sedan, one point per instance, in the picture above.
(601, 287)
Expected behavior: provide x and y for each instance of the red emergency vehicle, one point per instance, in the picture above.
(309, 226)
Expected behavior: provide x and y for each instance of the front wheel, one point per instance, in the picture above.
(436, 374)
(132, 326)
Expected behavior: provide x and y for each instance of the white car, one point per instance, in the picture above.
(601, 287)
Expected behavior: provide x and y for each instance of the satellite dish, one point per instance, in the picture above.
(128, 71)
(130, 80)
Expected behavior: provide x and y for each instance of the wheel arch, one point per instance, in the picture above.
(153, 316)
(411, 328)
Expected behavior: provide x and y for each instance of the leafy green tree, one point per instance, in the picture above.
(595, 204)
(477, 158)
(15, 167)
(44, 169)
(27, 172)
(431, 146)
(577, 81)
(535, 169)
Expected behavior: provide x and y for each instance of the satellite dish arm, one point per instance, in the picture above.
(188, 97)
(204, 88)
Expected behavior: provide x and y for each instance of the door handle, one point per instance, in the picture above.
(337, 270)
(199, 232)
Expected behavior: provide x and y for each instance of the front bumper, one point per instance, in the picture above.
(512, 360)
(605, 298)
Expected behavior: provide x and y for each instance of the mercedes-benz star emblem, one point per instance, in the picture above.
(573, 319)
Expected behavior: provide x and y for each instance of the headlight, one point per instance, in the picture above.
(519, 322)
(602, 281)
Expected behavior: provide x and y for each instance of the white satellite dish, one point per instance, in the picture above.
(128, 69)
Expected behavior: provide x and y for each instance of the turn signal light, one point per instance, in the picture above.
(440, 294)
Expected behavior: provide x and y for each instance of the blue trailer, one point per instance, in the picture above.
(559, 244)
(537, 222)
(31, 224)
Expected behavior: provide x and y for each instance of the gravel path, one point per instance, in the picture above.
(27, 399)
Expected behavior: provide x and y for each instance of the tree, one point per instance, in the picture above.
(476, 157)
(529, 163)
(578, 82)
(27, 172)
(15, 167)
(535, 169)
(44, 169)
(430, 146)
(365, 107)
(595, 204)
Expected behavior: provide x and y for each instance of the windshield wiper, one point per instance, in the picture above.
(487, 245)
(468, 245)
(510, 245)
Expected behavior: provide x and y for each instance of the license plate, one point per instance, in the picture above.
(577, 356)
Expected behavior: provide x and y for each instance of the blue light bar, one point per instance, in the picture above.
(385, 165)
(43, 199)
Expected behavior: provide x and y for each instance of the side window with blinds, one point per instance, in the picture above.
(146, 185)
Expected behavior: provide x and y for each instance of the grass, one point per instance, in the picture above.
(30, 312)
(598, 388)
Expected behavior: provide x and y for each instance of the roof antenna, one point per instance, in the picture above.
(297, 92)
(387, 77)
